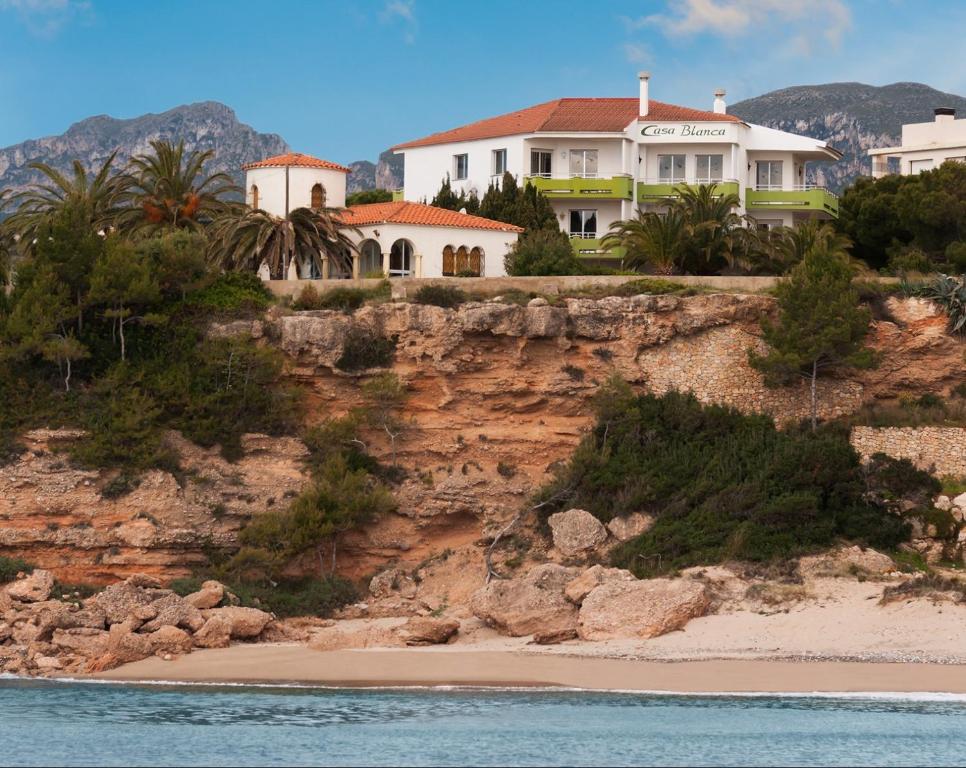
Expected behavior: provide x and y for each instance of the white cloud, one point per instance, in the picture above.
(401, 12)
(637, 53)
(799, 23)
(45, 18)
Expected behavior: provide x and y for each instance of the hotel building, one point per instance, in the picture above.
(924, 146)
(599, 160)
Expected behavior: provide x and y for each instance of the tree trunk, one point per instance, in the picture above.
(123, 348)
(318, 552)
(814, 398)
(335, 539)
(67, 377)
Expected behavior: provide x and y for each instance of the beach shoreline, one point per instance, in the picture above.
(294, 664)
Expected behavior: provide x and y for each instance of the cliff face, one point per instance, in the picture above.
(852, 117)
(203, 126)
(497, 394)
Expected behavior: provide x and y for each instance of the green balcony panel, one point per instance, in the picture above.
(817, 199)
(616, 188)
(594, 249)
(648, 192)
(397, 195)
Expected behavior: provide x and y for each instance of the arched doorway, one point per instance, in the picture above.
(449, 261)
(370, 258)
(318, 197)
(401, 259)
(254, 196)
(340, 265)
(476, 261)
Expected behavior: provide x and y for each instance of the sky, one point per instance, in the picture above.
(346, 80)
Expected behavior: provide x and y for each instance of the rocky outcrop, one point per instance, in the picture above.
(528, 604)
(847, 561)
(126, 622)
(426, 630)
(629, 527)
(592, 578)
(576, 532)
(642, 609)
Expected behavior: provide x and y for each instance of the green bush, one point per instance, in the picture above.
(363, 349)
(653, 286)
(301, 597)
(120, 486)
(722, 485)
(448, 296)
(344, 299)
(893, 479)
(11, 566)
(236, 293)
(908, 259)
(308, 298)
(956, 256)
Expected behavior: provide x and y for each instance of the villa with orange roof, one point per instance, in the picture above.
(396, 239)
(599, 160)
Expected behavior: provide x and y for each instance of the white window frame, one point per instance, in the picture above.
(585, 214)
(498, 156)
(771, 164)
(466, 166)
(705, 175)
(921, 165)
(583, 173)
(672, 179)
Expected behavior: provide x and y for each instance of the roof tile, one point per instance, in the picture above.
(403, 212)
(296, 159)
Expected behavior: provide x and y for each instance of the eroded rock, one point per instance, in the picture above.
(576, 532)
(627, 528)
(528, 604)
(33, 588)
(592, 578)
(245, 623)
(426, 630)
(646, 608)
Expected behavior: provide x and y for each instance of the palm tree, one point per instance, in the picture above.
(168, 189)
(96, 198)
(243, 242)
(6, 240)
(711, 220)
(795, 242)
(651, 240)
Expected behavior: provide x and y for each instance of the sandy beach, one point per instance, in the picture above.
(456, 666)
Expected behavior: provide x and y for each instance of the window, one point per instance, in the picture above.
(583, 223)
(765, 224)
(371, 258)
(710, 168)
(918, 166)
(254, 196)
(583, 163)
(541, 161)
(769, 174)
(462, 163)
(499, 162)
(476, 261)
(449, 261)
(401, 258)
(318, 197)
(670, 168)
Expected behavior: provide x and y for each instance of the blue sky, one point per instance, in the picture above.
(345, 80)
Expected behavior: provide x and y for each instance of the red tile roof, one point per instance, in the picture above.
(296, 159)
(569, 115)
(402, 212)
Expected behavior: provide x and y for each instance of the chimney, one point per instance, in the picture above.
(645, 102)
(720, 108)
(944, 114)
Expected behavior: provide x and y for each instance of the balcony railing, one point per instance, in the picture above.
(593, 187)
(590, 245)
(659, 189)
(799, 197)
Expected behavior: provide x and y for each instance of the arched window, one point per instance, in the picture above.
(318, 197)
(462, 260)
(476, 261)
(401, 259)
(449, 261)
(254, 196)
(370, 258)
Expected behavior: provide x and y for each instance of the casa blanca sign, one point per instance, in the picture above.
(677, 133)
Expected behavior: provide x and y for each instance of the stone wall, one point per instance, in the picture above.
(941, 450)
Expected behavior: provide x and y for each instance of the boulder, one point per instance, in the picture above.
(552, 638)
(528, 604)
(627, 528)
(592, 578)
(125, 646)
(943, 503)
(216, 633)
(641, 608)
(960, 501)
(846, 561)
(426, 630)
(209, 596)
(170, 639)
(576, 531)
(82, 640)
(338, 639)
(174, 611)
(143, 580)
(120, 601)
(47, 663)
(244, 622)
(383, 583)
(33, 588)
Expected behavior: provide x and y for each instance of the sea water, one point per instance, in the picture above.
(51, 723)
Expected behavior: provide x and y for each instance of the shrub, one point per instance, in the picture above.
(900, 479)
(119, 486)
(575, 373)
(542, 252)
(308, 298)
(908, 259)
(448, 296)
(234, 293)
(506, 470)
(653, 286)
(298, 597)
(956, 256)
(364, 349)
(722, 485)
(344, 299)
(11, 566)
(950, 294)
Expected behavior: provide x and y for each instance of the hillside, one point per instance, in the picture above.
(205, 125)
(853, 117)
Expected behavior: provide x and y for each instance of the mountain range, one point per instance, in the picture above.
(853, 117)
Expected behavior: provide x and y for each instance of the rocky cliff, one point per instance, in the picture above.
(497, 393)
(203, 126)
(852, 117)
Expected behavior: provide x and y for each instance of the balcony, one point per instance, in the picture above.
(583, 187)
(589, 245)
(662, 190)
(397, 195)
(806, 197)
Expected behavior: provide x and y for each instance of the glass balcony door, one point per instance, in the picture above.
(670, 169)
(710, 169)
(583, 163)
(769, 174)
(583, 223)
(541, 163)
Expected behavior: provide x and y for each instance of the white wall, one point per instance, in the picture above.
(271, 187)
(610, 159)
(942, 131)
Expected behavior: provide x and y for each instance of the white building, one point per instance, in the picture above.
(599, 159)
(924, 146)
(398, 239)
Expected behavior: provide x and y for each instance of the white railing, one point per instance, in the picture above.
(661, 180)
(583, 235)
(793, 188)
